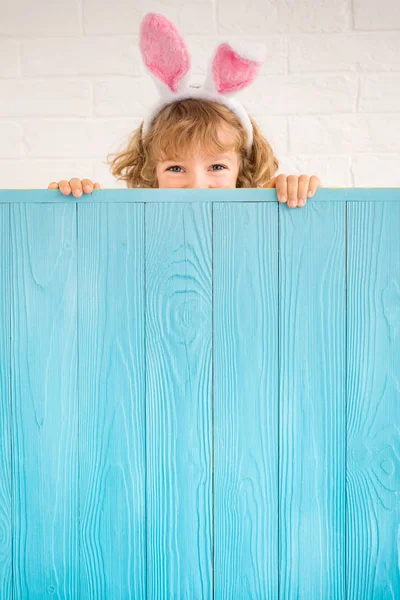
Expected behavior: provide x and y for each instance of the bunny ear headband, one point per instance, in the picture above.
(166, 56)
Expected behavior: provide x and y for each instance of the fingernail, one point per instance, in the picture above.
(292, 203)
(65, 190)
(77, 192)
(310, 193)
(282, 198)
(87, 189)
(302, 202)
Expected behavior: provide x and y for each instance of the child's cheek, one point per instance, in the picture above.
(229, 181)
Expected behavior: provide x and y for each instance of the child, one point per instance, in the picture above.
(195, 129)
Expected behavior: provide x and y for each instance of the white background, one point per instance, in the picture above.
(73, 86)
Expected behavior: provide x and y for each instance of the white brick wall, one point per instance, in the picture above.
(73, 87)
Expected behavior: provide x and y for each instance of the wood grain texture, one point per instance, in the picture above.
(111, 401)
(312, 344)
(200, 399)
(179, 400)
(199, 195)
(245, 281)
(373, 391)
(5, 407)
(44, 401)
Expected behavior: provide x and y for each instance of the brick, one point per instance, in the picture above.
(46, 17)
(81, 56)
(356, 52)
(124, 96)
(45, 98)
(380, 93)
(88, 138)
(332, 171)
(344, 134)
(376, 170)
(371, 14)
(269, 16)
(301, 95)
(274, 129)
(9, 58)
(34, 174)
(10, 140)
(104, 17)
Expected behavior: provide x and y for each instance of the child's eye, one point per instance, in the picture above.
(174, 167)
(177, 167)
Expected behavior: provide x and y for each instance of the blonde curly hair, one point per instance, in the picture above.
(182, 127)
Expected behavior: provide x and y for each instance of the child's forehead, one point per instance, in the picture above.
(228, 154)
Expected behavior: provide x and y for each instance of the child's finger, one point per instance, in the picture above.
(96, 186)
(314, 185)
(292, 185)
(87, 185)
(281, 187)
(76, 186)
(52, 186)
(64, 187)
(302, 189)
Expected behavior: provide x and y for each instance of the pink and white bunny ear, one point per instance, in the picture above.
(234, 68)
(164, 53)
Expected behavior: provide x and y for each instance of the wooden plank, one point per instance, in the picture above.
(199, 195)
(179, 400)
(5, 407)
(44, 400)
(111, 401)
(312, 336)
(245, 401)
(373, 389)
(129, 290)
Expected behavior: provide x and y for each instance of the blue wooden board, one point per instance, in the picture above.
(246, 400)
(179, 400)
(312, 384)
(111, 393)
(199, 395)
(373, 401)
(44, 400)
(6, 584)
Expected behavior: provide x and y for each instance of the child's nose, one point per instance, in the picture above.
(197, 181)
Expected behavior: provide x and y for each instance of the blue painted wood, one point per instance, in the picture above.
(111, 392)
(373, 401)
(312, 398)
(162, 196)
(44, 400)
(179, 400)
(199, 395)
(5, 407)
(246, 400)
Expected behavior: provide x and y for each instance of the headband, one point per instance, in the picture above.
(233, 67)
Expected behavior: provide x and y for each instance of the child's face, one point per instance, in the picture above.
(200, 171)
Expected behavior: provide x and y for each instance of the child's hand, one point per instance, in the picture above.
(75, 185)
(294, 190)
